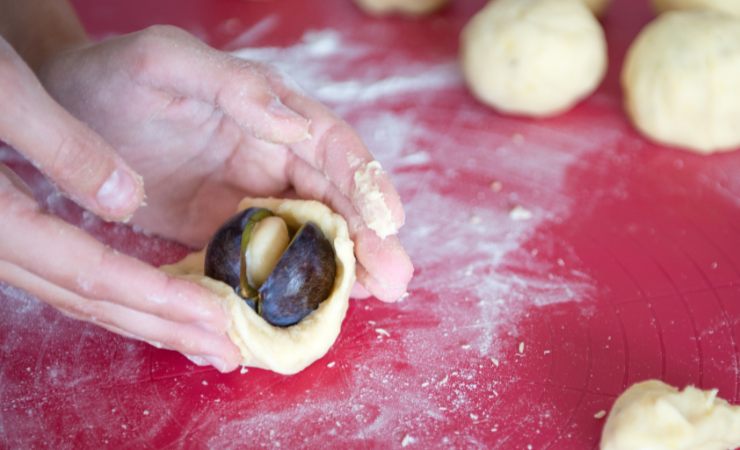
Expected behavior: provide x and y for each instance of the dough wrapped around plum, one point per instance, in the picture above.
(287, 292)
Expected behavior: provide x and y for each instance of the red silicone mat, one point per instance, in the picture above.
(557, 262)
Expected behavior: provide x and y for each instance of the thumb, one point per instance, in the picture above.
(71, 154)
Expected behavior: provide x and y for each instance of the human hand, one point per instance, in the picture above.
(205, 129)
(68, 269)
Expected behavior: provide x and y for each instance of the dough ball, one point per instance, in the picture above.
(285, 350)
(405, 7)
(680, 80)
(597, 6)
(533, 57)
(654, 415)
(728, 6)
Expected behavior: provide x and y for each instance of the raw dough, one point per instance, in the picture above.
(728, 6)
(597, 6)
(680, 80)
(533, 57)
(292, 349)
(406, 7)
(653, 415)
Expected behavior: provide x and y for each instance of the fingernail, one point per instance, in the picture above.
(217, 362)
(118, 191)
(278, 109)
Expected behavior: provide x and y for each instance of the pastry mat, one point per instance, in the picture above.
(557, 262)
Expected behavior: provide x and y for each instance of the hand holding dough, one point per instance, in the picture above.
(292, 349)
(653, 415)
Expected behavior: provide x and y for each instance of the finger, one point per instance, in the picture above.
(385, 269)
(76, 158)
(215, 347)
(335, 150)
(174, 61)
(359, 291)
(68, 257)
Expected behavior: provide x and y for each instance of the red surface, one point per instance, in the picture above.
(628, 270)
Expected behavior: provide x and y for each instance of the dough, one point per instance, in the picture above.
(292, 349)
(680, 80)
(653, 415)
(533, 57)
(728, 6)
(597, 6)
(406, 7)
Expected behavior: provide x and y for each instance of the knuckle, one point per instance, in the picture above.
(73, 159)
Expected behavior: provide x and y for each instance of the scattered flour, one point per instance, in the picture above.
(475, 279)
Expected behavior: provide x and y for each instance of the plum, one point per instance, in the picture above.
(301, 279)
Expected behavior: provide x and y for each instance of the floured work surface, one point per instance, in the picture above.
(557, 262)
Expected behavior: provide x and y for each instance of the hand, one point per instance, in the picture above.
(67, 268)
(205, 129)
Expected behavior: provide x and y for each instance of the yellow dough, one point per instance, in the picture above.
(407, 7)
(680, 80)
(285, 350)
(653, 415)
(727, 6)
(533, 57)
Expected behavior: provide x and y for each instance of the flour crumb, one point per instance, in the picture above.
(474, 416)
(546, 352)
(204, 383)
(521, 348)
(495, 362)
(146, 412)
(465, 346)
(382, 332)
(443, 381)
(560, 262)
(496, 186)
(243, 370)
(331, 364)
(600, 415)
(408, 440)
(519, 214)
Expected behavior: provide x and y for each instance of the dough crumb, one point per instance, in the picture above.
(331, 364)
(600, 414)
(243, 370)
(519, 213)
(382, 332)
(474, 416)
(521, 348)
(495, 362)
(496, 186)
(408, 440)
(371, 201)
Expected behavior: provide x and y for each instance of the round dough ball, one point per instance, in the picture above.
(680, 80)
(597, 6)
(533, 57)
(728, 6)
(285, 350)
(405, 7)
